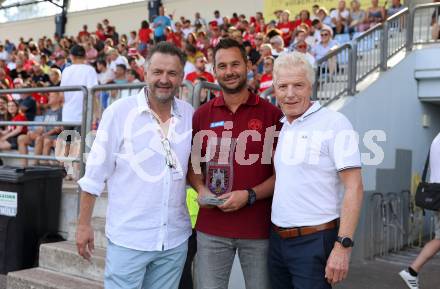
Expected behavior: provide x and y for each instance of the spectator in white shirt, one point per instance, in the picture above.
(218, 18)
(340, 18)
(116, 58)
(277, 44)
(141, 152)
(318, 189)
(79, 73)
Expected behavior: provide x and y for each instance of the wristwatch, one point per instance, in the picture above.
(346, 242)
(252, 197)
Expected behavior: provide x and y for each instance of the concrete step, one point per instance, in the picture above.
(99, 228)
(38, 278)
(69, 206)
(63, 257)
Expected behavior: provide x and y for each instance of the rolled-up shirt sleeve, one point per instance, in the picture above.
(102, 157)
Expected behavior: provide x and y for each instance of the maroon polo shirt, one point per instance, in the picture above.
(237, 163)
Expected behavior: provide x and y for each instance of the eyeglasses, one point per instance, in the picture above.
(324, 34)
(169, 159)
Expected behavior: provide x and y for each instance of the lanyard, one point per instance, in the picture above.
(169, 159)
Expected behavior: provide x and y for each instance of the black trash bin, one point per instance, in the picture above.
(30, 200)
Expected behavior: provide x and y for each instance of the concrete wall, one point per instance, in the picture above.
(391, 104)
(125, 17)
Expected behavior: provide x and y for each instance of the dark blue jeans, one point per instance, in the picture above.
(299, 263)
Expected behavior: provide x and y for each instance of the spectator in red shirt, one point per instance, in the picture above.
(145, 34)
(100, 33)
(286, 26)
(266, 78)
(304, 17)
(200, 66)
(83, 33)
(8, 137)
(244, 184)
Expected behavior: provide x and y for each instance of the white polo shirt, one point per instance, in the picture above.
(434, 160)
(310, 152)
(146, 198)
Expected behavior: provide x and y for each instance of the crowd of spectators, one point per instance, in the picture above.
(119, 58)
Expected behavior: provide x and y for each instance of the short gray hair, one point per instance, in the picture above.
(289, 60)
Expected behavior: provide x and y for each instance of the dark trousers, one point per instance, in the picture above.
(299, 263)
(186, 281)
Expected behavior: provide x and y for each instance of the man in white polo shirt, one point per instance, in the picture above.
(141, 152)
(410, 276)
(318, 190)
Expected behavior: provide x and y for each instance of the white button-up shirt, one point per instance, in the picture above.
(310, 152)
(146, 198)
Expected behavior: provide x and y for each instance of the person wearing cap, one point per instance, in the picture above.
(318, 189)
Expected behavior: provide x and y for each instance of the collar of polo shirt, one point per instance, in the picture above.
(252, 100)
(314, 108)
(144, 107)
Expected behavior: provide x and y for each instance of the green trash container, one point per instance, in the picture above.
(30, 200)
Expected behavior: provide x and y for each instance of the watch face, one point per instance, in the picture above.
(346, 242)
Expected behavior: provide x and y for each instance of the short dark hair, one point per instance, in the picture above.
(102, 62)
(227, 43)
(167, 48)
(122, 66)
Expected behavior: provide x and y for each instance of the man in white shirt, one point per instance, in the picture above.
(79, 73)
(340, 17)
(318, 188)
(141, 152)
(410, 276)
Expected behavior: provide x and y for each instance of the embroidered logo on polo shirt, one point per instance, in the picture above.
(255, 124)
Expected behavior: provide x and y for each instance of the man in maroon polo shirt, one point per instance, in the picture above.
(235, 167)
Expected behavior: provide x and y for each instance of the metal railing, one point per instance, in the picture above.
(420, 24)
(372, 49)
(203, 87)
(106, 94)
(333, 73)
(367, 52)
(395, 31)
(82, 124)
(388, 227)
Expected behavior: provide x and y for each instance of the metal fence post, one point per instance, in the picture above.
(384, 47)
(353, 64)
(410, 30)
(317, 83)
(351, 87)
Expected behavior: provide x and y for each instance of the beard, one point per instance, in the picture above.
(162, 97)
(232, 90)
